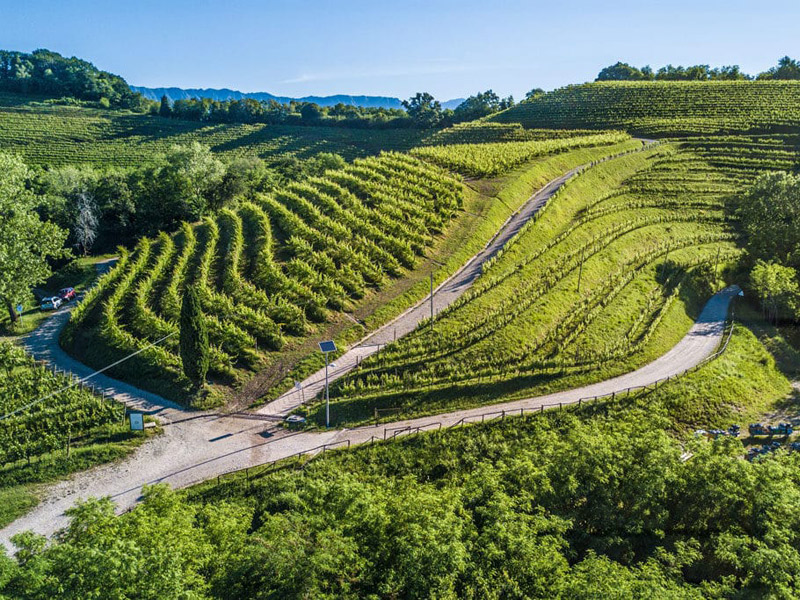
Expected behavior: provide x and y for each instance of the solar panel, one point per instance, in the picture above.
(328, 346)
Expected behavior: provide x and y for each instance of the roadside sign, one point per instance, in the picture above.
(137, 422)
(297, 385)
(19, 308)
(328, 346)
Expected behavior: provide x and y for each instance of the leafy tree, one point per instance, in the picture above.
(26, 242)
(534, 93)
(182, 183)
(311, 112)
(770, 218)
(728, 73)
(777, 290)
(194, 347)
(621, 71)
(787, 68)
(49, 73)
(425, 111)
(477, 106)
(165, 110)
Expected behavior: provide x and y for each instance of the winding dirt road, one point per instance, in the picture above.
(197, 446)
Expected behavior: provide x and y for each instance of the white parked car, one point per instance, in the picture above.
(51, 303)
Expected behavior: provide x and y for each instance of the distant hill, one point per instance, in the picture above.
(174, 93)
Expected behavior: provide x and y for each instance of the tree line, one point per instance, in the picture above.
(49, 215)
(103, 208)
(420, 111)
(48, 73)
(769, 217)
(787, 68)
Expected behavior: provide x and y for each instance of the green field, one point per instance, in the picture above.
(666, 108)
(56, 135)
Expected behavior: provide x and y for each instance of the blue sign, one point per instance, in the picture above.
(328, 346)
(19, 308)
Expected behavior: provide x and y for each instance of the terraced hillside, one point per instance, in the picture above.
(266, 269)
(604, 281)
(671, 108)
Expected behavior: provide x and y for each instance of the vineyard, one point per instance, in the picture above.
(490, 159)
(51, 425)
(666, 108)
(57, 135)
(604, 281)
(269, 271)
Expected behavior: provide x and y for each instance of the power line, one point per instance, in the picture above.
(84, 379)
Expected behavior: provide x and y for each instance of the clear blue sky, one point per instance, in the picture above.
(452, 48)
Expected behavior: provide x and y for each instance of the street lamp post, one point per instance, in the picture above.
(327, 347)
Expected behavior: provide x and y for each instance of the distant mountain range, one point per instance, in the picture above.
(225, 94)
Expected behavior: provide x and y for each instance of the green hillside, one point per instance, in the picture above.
(51, 134)
(280, 268)
(672, 108)
(607, 279)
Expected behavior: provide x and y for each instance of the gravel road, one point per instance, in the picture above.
(197, 446)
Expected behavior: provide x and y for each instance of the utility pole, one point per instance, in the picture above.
(716, 261)
(438, 264)
(580, 270)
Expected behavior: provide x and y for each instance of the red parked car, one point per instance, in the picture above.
(67, 294)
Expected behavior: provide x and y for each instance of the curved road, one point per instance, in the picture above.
(186, 454)
(197, 446)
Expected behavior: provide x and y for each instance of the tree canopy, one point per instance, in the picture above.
(50, 74)
(481, 105)
(425, 111)
(770, 218)
(787, 68)
(26, 242)
(625, 72)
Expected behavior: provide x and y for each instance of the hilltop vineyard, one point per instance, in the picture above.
(270, 268)
(673, 108)
(49, 425)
